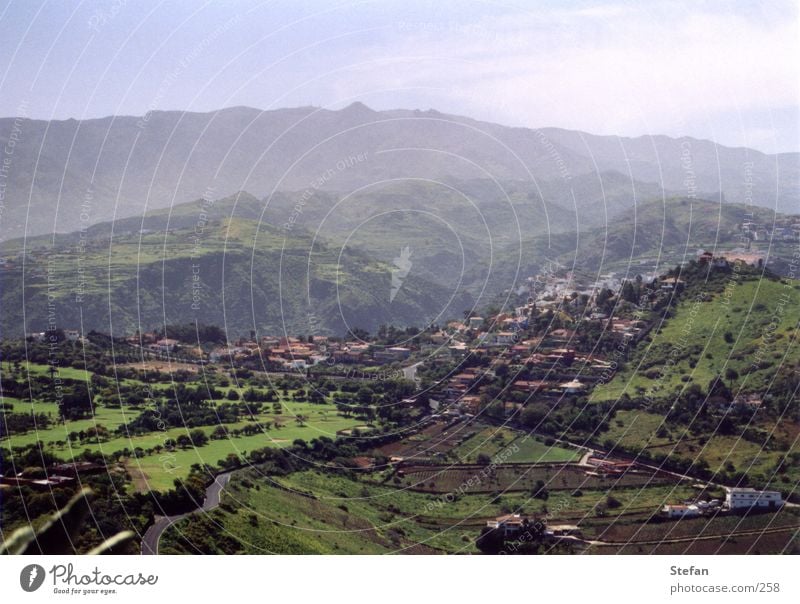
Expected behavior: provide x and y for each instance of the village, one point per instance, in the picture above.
(486, 374)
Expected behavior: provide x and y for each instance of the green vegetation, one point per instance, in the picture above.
(511, 446)
(744, 331)
(316, 512)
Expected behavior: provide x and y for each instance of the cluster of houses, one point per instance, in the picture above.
(281, 353)
(785, 228)
(465, 388)
(553, 287)
(293, 353)
(505, 340)
(724, 259)
(736, 499)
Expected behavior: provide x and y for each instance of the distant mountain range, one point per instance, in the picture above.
(67, 175)
(314, 221)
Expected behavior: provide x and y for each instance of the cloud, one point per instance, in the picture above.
(605, 68)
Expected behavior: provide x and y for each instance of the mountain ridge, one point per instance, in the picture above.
(118, 166)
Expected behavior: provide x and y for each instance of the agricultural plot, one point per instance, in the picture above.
(729, 331)
(516, 477)
(640, 431)
(512, 446)
(780, 541)
(435, 440)
(464, 441)
(721, 524)
(314, 514)
(636, 429)
(317, 512)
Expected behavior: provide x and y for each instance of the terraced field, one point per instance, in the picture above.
(317, 512)
(516, 477)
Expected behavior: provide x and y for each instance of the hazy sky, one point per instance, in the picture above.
(723, 71)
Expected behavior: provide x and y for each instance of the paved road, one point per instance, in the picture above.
(162, 523)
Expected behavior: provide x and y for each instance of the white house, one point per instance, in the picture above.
(504, 338)
(510, 524)
(573, 387)
(744, 498)
(164, 345)
(680, 511)
(296, 364)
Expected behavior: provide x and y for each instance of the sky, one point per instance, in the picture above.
(717, 70)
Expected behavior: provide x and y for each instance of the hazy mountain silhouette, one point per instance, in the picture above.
(65, 175)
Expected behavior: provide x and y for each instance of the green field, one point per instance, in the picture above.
(66, 373)
(635, 431)
(154, 472)
(512, 446)
(314, 512)
(158, 470)
(729, 331)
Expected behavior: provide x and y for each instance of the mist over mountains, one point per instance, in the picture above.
(66, 175)
(315, 221)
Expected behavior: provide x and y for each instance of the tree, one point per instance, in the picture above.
(534, 414)
(359, 334)
(629, 293)
(198, 437)
(490, 541)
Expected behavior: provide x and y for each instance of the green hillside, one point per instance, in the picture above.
(234, 272)
(745, 330)
(234, 262)
(670, 231)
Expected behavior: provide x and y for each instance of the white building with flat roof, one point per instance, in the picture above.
(742, 498)
(680, 511)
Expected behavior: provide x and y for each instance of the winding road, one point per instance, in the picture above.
(162, 523)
